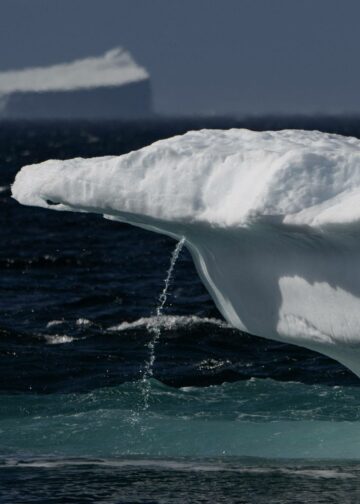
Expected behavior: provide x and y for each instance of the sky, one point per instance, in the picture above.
(220, 57)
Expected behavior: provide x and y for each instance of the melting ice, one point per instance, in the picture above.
(271, 220)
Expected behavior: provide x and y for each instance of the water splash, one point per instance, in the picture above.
(155, 329)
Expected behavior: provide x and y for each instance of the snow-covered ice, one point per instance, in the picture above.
(114, 68)
(272, 220)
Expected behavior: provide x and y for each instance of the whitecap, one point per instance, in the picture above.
(83, 322)
(168, 323)
(58, 339)
(53, 323)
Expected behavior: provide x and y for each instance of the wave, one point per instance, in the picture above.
(271, 219)
(163, 322)
(58, 339)
(194, 465)
(260, 418)
(81, 322)
(54, 323)
(169, 323)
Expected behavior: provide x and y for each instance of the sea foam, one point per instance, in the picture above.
(271, 219)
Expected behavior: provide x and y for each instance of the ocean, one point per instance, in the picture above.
(121, 383)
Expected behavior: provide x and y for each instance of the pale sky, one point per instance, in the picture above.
(204, 56)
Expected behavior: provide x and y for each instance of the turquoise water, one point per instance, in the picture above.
(255, 418)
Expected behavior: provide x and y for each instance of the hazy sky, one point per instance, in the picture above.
(204, 56)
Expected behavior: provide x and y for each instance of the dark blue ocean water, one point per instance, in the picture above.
(226, 417)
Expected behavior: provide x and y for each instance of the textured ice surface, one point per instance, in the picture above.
(271, 219)
(114, 68)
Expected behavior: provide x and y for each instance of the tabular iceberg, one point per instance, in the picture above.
(272, 220)
(109, 86)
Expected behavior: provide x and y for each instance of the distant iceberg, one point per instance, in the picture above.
(112, 85)
(272, 220)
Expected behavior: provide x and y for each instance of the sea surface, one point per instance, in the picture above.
(120, 383)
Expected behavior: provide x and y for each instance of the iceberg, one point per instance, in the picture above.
(272, 220)
(111, 85)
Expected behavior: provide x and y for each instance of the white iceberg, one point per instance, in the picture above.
(272, 220)
(114, 68)
(112, 85)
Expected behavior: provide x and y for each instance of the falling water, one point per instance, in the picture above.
(154, 329)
